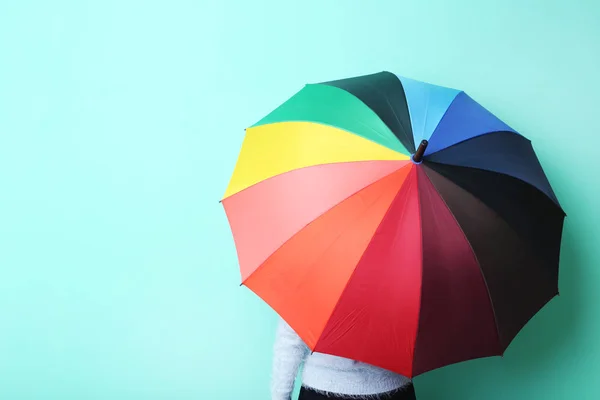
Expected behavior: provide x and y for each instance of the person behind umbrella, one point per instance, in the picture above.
(327, 377)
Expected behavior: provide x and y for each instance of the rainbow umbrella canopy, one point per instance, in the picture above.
(394, 222)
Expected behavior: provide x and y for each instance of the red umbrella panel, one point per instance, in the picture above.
(394, 222)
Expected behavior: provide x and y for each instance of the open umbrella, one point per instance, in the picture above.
(394, 222)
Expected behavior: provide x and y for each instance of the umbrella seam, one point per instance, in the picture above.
(320, 215)
(425, 116)
(508, 225)
(422, 270)
(554, 200)
(393, 139)
(543, 173)
(500, 345)
(396, 196)
(475, 137)
(408, 137)
(313, 166)
(435, 129)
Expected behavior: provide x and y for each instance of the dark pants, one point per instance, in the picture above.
(406, 393)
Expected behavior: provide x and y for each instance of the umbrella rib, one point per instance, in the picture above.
(404, 130)
(473, 138)
(418, 325)
(333, 242)
(320, 215)
(393, 139)
(362, 256)
(404, 163)
(487, 289)
(497, 214)
(435, 130)
(554, 200)
(425, 116)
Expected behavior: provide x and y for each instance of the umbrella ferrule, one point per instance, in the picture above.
(418, 156)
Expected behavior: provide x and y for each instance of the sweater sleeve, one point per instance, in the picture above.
(289, 353)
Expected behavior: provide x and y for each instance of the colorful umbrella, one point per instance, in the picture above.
(394, 222)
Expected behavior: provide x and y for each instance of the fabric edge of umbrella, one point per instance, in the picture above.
(500, 355)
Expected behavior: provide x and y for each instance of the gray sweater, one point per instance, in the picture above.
(324, 373)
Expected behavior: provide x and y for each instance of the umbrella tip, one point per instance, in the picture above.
(418, 156)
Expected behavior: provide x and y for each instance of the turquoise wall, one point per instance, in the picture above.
(120, 122)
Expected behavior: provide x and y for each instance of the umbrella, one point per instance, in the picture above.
(394, 222)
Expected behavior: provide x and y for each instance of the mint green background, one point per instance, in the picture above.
(120, 122)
